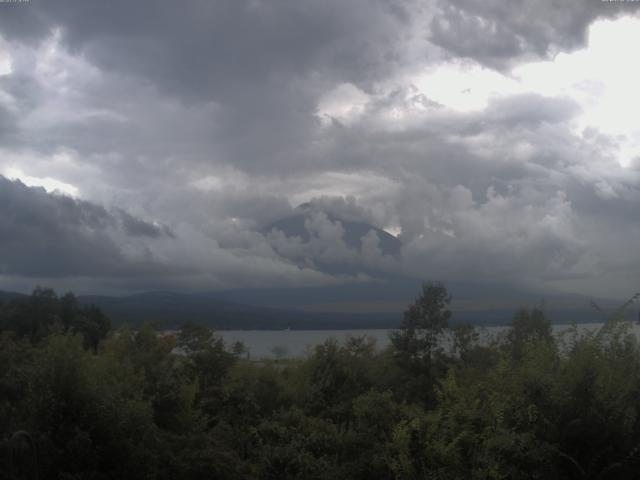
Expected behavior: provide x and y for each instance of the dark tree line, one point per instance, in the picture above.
(81, 401)
(44, 313)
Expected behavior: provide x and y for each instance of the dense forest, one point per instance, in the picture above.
(80, 400)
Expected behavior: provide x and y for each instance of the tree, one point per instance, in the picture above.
(423, 324)
(43, 313)
(92, 324)
(415, 344)
(207, 361)
(337, 374)
(528, 327)
(464, 339)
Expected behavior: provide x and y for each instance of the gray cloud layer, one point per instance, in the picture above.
(53, 235)
(204, 117)
(498, 33)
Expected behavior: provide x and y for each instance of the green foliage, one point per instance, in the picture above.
(43, 313)
(417, 343)
(424, 321)
(528, 327)
(206, 362)
(336, 374)
(141, 404)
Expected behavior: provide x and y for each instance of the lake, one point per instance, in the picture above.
(296, 343)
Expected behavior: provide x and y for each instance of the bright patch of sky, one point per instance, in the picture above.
(49, 184)
(463, 86)
(600, 78)
(347, 184)
(344, 103)
(5, 58)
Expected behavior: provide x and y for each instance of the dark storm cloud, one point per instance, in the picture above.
(251, 73)
(43, 234)
(449, 148)
(26, 24)
(497, 33)
(506, 192)
(522, 112)
(202, 47)
(53, 238)
(254, 69)
(204, 116)
(529, 110)
(136, 227)
(7, 122)
(226, 46)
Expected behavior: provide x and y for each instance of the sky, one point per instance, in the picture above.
(146, 145)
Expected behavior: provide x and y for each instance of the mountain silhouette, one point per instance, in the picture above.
(304, 226)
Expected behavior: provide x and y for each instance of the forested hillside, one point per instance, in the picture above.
(79, 400)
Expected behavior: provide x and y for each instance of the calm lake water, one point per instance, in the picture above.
(296, 343)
